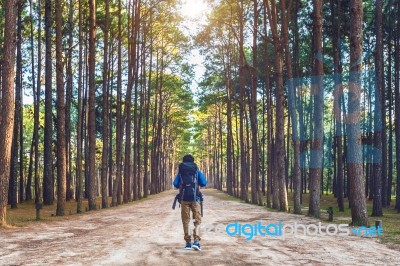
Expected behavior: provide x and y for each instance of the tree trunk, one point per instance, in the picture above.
(61, 135)
(38, 195)
(256, 197)
(378, 122)
(7, 105)
(279, 147)
(111, 103)
(336, 20)
(388, 187)
(147, 119)
(119, 122)
(268, 111)
(13, 186)
(92, 115)
(68, 100)
(79, 131)
(354, 162)
(48, 179)
(293, 113)
(317, 143)
(397, 107)
(229, 138)
(104, 158)
(242, 103)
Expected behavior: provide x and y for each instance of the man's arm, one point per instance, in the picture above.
(177, 181)
(202, 179)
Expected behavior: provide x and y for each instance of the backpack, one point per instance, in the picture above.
(189, 188)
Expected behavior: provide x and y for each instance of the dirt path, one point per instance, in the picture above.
(150, 233)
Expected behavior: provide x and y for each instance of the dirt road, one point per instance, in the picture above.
(150, 233)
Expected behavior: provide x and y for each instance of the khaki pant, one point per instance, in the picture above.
(185, 213)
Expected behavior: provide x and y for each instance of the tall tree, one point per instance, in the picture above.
(91, 186)
(378, 122)
(116, 197)
(61, 136)
(68, 99)
(104, 159)
(242, 102)
(38, 195)
(318, 92)
(48, 178)
(17, 138)
(292, 111)
(397, 107)
(7, 104)
(147, 113)
(336, 17)
(390, 166)
(255, 186)
(279, 146)
(354, 162)
(230, 173)
(79, 131)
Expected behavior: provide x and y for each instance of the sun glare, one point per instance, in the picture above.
(193, 9)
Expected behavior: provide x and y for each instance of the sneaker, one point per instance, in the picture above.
(196, 246)
(188, 245)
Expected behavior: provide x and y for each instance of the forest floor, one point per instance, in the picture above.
(149, 232)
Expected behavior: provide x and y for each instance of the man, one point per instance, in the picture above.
(188, 180)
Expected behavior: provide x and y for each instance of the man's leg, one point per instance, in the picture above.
(185, 214)
(197, 220)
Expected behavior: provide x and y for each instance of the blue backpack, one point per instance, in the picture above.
(189, 188)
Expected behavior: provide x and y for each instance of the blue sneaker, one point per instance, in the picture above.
(188, 245)
(196, 246)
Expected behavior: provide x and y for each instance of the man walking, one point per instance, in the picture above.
(188, 180)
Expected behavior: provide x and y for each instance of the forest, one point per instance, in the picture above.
(297, 98)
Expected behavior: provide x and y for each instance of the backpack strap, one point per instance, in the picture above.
(180, 188)
(196, 186)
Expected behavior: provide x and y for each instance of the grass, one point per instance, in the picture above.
(26, 212)
(390, 219)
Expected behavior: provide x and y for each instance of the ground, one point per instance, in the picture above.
(149, 232)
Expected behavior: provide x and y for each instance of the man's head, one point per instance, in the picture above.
(188, 159)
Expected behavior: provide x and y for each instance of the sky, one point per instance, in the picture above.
(195, 14)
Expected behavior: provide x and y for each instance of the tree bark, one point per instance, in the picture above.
(279, 147)
(390, 41)
(17, 138)
(147, 118)
(256, 198)
(336, 17)
(378, 122)
(61, 135)
(91, 187)
(397, 107)
(118, 179)
(242, 103)
(48, 179)
(318, 92)
(7, 104)
(354, 162)
(79, 131)
(293, 113)
(68, 100)
(104, 158)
